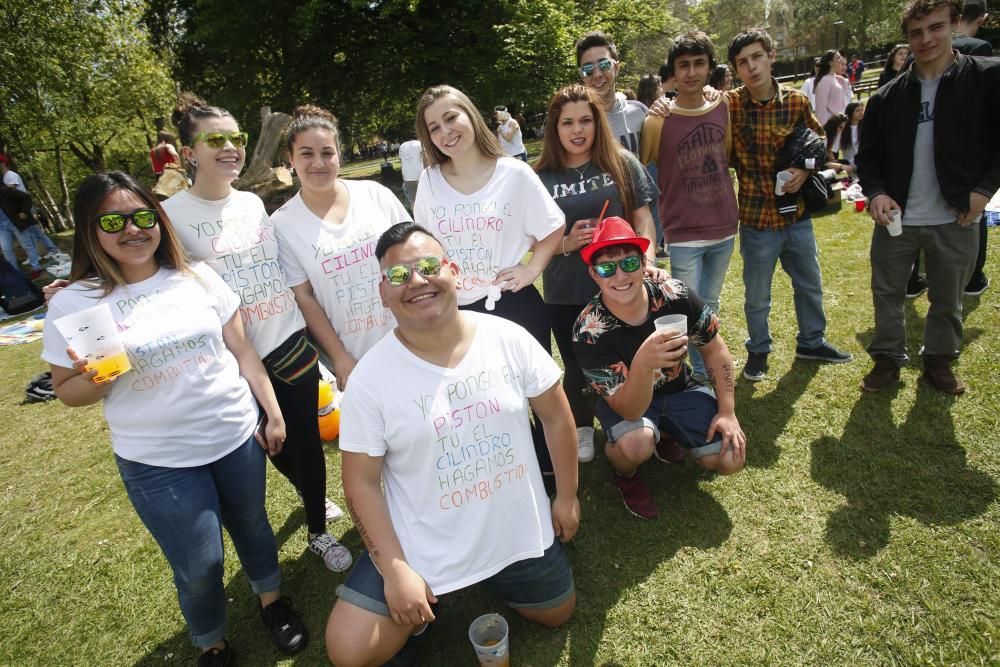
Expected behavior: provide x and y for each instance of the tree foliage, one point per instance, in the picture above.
(80, 79)
(369, 61)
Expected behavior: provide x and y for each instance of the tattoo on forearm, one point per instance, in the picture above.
(727, 377)
(372, 549)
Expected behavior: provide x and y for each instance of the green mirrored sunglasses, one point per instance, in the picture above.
(629, 264)
(219, 139)
(143, 218)
(399, 274)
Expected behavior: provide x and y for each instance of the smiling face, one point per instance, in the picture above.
(132, 249)
(449, 126)
(603, 83)
(930, 37)
(316, 159)
(576, 127)
(753, 64)
(216, 164)
(422, 301)
(621, 289)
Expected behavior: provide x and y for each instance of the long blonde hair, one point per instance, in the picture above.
(91, 263)
(606, 153)
(486, 142)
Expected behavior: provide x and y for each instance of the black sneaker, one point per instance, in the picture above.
(916, 286)
(756, 366)
(977, 285)
(286, 628)
(217, 657)
(824, 352)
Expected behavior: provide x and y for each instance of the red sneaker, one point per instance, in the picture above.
(668, 451)
(638, 500)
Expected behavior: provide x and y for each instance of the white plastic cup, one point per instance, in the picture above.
(780, 180)
(93, 335)
(895, 228)
(489, 635)
(676, 323)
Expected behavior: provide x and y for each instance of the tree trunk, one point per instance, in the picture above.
(260, 173)
(43, 199)
(66, 210)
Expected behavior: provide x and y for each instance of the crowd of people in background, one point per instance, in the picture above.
(456, 419)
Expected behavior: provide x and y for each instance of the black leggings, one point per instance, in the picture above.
(563, 318)
(526, 308)
(302, 460)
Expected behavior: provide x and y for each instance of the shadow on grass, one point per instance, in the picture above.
(305, 580)
(915, 469)
(764, 418)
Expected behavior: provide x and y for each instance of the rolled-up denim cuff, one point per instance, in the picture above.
(272, 582)
(212, 638)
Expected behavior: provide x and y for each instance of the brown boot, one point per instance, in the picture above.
(885, 373)
(937, 371)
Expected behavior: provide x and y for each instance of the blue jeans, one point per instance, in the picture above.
(185, 509)
(8, 232)
(36, 233)
(795, 247)
(702, 269)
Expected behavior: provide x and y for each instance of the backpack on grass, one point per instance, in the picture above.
(17, 293)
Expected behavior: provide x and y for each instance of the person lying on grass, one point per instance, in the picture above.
(638, 370)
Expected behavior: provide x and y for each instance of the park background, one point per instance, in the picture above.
(864, 530)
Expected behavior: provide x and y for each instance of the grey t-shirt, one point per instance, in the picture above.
(626, 118)
(925, 204)
(581, 194)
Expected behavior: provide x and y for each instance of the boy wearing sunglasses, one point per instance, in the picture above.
(436, 414)
(597, 60)
(648, 405)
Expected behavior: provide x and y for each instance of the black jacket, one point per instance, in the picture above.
(14, 203)
(966, 133)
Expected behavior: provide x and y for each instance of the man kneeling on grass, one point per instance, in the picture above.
(639, 373)
(437, 412)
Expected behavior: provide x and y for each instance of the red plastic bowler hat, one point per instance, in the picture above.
(613, 231)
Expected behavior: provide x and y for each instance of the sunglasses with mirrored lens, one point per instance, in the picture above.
(629, 264)
(604, 63)
(143, 218)
(219, 139)
(399, 274)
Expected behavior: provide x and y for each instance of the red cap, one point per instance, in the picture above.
(613, 231)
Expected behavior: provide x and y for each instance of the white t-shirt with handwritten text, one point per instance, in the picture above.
(462, 482)
(236, 238)
(184, 402)
(339, 260)
(492, 228)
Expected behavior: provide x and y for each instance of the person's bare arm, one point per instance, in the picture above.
(406, 593)
(323, 333)
(552, 408)
(658, 351)
(254, 373)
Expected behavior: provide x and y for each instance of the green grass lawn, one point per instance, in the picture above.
(863, 531)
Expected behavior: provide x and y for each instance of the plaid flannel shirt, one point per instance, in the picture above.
(759, 132)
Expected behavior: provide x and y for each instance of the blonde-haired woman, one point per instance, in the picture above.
(488, 210)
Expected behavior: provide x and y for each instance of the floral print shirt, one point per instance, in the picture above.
(605, 345)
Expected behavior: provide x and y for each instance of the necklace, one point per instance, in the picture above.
(579, 171)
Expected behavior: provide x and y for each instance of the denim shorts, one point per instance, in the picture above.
(684, 416)
(544, 582)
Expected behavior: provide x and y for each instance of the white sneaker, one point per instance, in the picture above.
(336, 556)
(332, 511)
(585, 443)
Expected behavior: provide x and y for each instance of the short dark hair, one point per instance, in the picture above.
(694, 43)
(665, 72)
(973, 10)
(397, 234)
(745, 39)
(592, 39)
(918, 9)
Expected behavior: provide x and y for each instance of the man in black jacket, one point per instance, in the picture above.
(930, 153)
